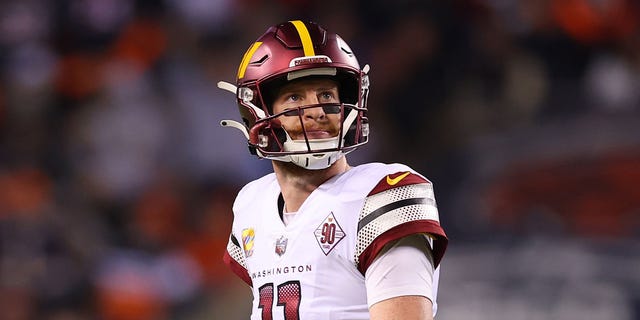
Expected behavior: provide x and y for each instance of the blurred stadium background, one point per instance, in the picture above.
(116, 180)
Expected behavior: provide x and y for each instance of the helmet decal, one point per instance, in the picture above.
(305, 38)
(247, 58)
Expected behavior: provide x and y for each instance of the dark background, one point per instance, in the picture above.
(116, 180)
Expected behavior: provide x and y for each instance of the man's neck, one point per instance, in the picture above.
(297, 183)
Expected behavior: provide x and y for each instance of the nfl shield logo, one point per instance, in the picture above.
(281, 245)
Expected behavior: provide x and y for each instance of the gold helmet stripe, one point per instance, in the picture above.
(246, 58)
(307, 44)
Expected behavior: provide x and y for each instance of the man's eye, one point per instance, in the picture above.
(327, 96)
(293, 98)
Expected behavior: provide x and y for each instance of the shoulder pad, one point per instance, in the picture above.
(402, 200)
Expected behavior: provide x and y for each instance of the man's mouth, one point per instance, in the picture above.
(318, 134)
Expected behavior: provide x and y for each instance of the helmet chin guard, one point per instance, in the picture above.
(316, 161)
(289, 52)
(313, 161)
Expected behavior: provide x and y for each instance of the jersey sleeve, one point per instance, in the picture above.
(401, 204)
(235, 260)
(401, 269)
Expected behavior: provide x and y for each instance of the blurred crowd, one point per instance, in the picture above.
(116, 180)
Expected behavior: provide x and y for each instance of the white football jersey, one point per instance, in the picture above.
(313, 268)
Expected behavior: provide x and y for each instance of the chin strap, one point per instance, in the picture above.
(316, 162)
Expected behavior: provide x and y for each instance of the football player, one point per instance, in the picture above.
(318, 238)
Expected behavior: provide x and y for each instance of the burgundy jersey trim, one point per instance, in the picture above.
(237, 268)
(396, 180)
(430, 227)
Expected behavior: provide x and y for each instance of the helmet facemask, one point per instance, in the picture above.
(284, 136)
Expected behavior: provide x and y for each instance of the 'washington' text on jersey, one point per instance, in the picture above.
(281, 270)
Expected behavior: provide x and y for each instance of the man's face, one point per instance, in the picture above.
(319, 122)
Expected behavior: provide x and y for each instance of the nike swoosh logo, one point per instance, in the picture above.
(394, 181)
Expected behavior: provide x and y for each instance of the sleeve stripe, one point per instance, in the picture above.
(392, 206)
(411, 205)
(236, 268)
(234, 258)
(235, 252)
(429, 227)
(234, 240)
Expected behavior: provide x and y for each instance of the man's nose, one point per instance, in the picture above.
(314, 112)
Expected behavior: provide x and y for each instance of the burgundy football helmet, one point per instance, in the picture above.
(290, 51)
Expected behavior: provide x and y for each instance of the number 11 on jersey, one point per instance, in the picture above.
(288, 297)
